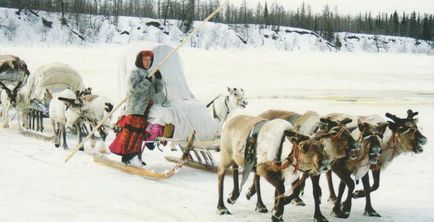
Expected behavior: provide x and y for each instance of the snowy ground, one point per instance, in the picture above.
(36, 185)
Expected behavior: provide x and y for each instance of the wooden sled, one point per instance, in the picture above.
(147, 173)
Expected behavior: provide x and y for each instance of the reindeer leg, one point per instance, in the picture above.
(6, 116)
(318, 217)
(275, 178)
(221, 208)
(78, 127)
(65, 146)
(332, 197)
(260, 206)
(236, 190)
(376, 177)
(56, 130)
(297, 201)
(336, 212)
(346, 205)
(369, 211)
(251, 191)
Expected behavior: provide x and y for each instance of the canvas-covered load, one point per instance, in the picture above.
(12, 70)
(175, 104)
(55, 77)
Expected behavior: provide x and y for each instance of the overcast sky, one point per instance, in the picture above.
(354, 6)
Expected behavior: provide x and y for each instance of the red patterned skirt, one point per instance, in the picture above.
(130, 138)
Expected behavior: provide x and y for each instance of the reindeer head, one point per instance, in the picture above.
(238, 95)
(371, 137)
(409, 137)
(309, 154)
(337, 141)
(12, 94)
(75, 104)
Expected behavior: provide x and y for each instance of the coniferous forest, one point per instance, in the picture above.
(326, 23)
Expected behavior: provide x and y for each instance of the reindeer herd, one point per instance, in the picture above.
(285, 148)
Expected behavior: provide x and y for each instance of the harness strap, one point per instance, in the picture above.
(214, 113)
(250, 151)
(212, 101)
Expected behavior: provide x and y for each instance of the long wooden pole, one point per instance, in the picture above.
(77, 147)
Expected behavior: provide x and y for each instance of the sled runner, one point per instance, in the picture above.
(147, 173)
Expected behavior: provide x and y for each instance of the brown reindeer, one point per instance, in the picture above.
(281, 153)
(401, 136)
(369, 136)
(338, 146)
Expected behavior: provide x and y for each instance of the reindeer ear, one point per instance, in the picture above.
(392, 126)
(295, 137)
(345, 121)
(382, 127)
(362, 125)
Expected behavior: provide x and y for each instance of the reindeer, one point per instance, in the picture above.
(66, 110)
(8, 99)
(223, 105)
(98, 107)
(281, 153)
(369, 135)
(311, 123)
(401, 136)
(280, 114)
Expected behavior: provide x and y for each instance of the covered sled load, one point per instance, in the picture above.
(13, 70)
(175, 104)
(54, 77)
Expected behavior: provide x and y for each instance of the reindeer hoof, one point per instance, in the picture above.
(56, 145)
(359, 194)
(298, 202)
(275, 218)
(249, 195)
(223, 211)
(320, 218)
(371, 213)
(231, 201)
(65, 148)
(332, 200)
(339, 215)
(261, 209)
(336, 212)
(81, 149)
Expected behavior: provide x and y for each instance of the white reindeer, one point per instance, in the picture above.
(8, 97)
(225, 104)
(66, 110)
(98, 107)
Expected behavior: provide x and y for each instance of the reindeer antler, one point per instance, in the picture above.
(393, 117)
(18, 86)
(5, 87)
(411, 114)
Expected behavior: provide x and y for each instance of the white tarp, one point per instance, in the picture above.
(181, 108)
(55, 76)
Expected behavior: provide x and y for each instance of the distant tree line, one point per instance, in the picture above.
(326, 23)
